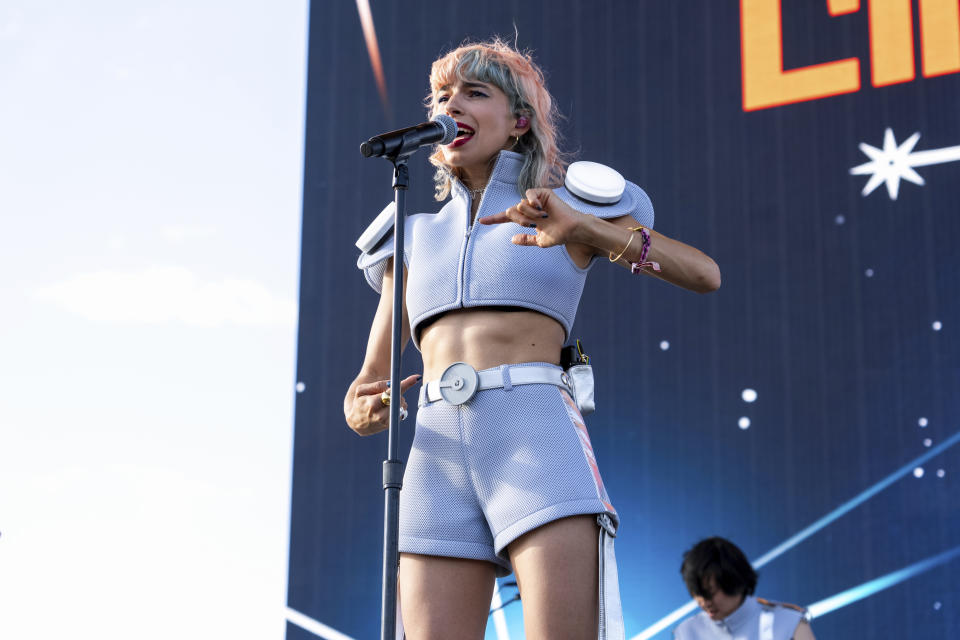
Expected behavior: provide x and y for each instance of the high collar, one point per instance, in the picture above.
(506, 169)
(742, 617)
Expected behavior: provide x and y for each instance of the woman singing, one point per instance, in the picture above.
(504, 477)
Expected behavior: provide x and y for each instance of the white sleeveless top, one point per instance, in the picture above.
(753, 620)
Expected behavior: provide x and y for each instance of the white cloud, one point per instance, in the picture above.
(169, 295)
(117, 241)
(180, 234)
(11, 25)
(134, 535)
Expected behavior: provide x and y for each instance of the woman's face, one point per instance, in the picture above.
(485, 123)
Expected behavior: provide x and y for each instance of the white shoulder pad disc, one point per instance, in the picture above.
(379, 228)
(594, 182)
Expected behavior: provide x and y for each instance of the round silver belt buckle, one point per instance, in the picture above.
(458, 383)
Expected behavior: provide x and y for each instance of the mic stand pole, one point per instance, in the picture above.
(392, 466)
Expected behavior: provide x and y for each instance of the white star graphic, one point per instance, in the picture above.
(893, 163)
(888, 165)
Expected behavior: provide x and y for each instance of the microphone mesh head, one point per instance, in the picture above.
(449, 128)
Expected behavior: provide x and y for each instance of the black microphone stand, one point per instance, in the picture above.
(392, 466)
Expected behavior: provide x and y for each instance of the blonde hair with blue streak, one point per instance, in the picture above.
(513, 72)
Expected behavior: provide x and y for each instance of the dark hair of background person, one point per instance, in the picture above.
(721, 560)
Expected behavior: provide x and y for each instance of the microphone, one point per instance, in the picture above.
(442, 129)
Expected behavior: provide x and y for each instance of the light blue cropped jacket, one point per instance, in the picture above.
(453, 264)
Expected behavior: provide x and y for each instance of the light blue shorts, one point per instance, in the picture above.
(483, 473)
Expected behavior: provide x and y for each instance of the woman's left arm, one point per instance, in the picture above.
(557, 222)
(680, 264)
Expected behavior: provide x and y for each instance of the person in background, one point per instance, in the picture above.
(721, 580)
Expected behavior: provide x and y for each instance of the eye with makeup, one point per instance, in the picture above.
(472, 93)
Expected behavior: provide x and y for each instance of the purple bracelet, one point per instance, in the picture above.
(646, 244)
(636, 267)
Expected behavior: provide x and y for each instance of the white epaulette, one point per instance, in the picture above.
(374, 234)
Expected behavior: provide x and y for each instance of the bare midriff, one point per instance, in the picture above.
(487, 337)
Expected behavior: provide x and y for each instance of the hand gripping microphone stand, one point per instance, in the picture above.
(409, 141)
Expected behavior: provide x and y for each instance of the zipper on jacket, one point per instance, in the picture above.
(463, 251)
(471, 221)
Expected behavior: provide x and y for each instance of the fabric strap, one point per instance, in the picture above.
(611, 613)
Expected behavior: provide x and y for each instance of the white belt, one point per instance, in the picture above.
(459, 382)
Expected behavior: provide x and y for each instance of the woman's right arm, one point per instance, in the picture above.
(364, 411)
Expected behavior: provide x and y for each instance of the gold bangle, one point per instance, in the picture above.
(610, 255)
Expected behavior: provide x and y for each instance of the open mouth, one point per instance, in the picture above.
(464, 133)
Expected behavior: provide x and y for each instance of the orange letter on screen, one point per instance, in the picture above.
(940, 35)
(765, 83)
(891, 42)
(840, 7)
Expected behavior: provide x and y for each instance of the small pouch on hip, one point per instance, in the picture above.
(581, 377)
(580, 373)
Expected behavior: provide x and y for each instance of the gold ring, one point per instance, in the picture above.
(385, 398)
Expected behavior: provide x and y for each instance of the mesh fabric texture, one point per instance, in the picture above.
(483, 473)
(454, 264)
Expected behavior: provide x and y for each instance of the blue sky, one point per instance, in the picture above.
(150, 181)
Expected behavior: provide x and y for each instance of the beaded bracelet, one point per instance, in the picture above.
(646, 244)
(637, 267)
